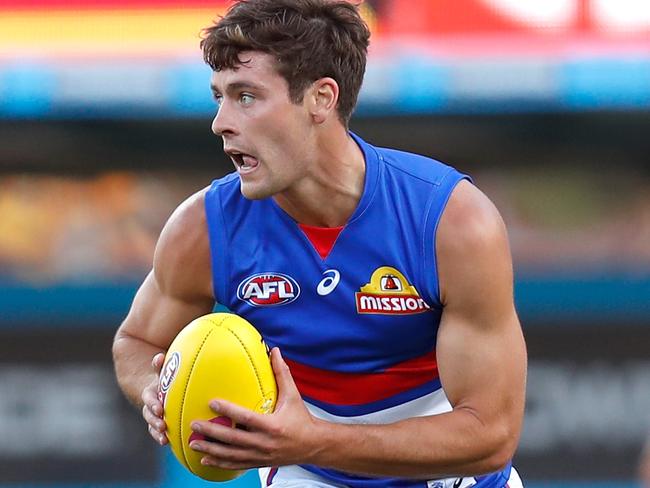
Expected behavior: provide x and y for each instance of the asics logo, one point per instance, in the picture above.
(329, 282)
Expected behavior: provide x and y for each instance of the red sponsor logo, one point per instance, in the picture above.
(389, 292)
(268, 289)
(390, 304)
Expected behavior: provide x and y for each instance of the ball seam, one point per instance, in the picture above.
(250, 358)
(182, 416)
(248, 354)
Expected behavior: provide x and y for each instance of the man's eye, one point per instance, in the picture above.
(218, 99)
(246, 99)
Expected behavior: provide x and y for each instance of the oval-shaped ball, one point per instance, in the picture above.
(219, 355)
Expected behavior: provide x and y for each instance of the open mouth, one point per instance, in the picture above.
(243, 162)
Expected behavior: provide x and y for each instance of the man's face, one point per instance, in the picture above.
(266, 136)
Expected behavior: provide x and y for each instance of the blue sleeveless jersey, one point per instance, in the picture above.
(358, 328)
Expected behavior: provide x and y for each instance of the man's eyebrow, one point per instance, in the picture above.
(237, 85)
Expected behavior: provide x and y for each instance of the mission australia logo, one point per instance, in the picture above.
(268, 289)
(389, 293)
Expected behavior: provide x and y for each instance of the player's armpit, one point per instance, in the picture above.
(480, 347)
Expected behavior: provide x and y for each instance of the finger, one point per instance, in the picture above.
(226, 456)
(153, 420)
(231, 465)
(157, 361)
(242, 416)
(245, 463)
(151, 399)
(150, 396)
(223, 434)
(157, 436)
(153, 404)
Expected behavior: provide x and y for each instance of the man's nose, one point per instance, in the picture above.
(223, 123)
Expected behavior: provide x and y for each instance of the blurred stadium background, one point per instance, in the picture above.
(104, 129)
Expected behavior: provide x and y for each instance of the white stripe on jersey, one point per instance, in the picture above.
(431, 404)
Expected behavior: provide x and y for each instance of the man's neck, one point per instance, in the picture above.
(331, 193)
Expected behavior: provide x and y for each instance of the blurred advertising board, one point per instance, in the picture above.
(62, 416)
(427, 56)
(588, 401)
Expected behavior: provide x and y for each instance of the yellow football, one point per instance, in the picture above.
(219, 355)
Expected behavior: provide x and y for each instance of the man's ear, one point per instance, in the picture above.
(323, 97)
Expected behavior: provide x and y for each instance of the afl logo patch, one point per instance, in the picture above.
(169, 371)
(268, 289)
(167, 375)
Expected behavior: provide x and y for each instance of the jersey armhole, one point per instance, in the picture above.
(218, 244)
(435, 208)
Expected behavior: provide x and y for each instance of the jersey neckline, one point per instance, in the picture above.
(371, 177)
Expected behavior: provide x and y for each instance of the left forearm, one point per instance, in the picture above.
(452, 444)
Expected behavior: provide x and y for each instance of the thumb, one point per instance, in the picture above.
(157, 361)
(286, 386)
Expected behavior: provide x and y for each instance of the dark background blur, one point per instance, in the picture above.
(105, 127)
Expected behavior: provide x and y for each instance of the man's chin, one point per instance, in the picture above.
(251, 193)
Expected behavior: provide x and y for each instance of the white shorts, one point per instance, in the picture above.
(297, 477)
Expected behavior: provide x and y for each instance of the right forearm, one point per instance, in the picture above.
(132, 359)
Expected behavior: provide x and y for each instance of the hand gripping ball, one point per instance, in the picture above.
(218, 355)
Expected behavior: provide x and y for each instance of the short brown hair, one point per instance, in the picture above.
(310, 39)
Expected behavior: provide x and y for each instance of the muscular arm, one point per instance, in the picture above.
(176, 291)
(481, 358)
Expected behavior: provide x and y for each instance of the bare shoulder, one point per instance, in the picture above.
(472, 246)
(469, 219)
(182, 257)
